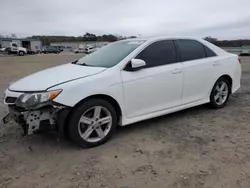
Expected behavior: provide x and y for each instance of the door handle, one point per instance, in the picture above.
(216, 63)
(176, 71)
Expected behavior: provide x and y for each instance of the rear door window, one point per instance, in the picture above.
(209, 53)
(191, 50)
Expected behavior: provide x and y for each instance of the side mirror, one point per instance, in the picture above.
(135, 64)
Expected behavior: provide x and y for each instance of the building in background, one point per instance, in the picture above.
(32, 44)
(69, 46)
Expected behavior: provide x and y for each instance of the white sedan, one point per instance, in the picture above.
(245, 52)
(123, 83)
(90, 49)
(2, 49)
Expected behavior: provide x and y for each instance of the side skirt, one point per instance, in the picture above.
(162, 112)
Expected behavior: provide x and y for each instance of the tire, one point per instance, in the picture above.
(218, 96)
(21, 53)
(76, 52)
(84, 134)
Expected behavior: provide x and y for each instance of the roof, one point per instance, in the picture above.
(163, 37)
(149, 40)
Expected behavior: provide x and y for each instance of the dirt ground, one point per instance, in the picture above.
(195, 148)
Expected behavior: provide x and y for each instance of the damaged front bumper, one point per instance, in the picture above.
(49, 117)
(33, 121)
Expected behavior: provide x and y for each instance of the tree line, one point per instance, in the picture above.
(46, 40)
(228, 43)
(111, 38)
(86, 37)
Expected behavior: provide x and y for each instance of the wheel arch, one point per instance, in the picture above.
(108, 98)
(105, 97)
(228, 77)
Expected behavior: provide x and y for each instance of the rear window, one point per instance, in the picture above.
(191, 50)
(209, 52)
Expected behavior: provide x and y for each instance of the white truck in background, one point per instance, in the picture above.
(15, 49)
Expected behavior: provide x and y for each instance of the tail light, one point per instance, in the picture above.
(239, 59)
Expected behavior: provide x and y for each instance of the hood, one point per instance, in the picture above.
(47, 78)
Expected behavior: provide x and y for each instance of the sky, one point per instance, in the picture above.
(223, 19)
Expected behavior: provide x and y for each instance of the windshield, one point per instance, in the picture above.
(110, 55)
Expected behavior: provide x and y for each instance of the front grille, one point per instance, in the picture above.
(10, 100)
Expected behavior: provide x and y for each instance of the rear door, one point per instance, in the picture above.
(156, 87)
(198, 70)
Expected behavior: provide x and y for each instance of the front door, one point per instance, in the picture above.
(13, 47)
(156, 87)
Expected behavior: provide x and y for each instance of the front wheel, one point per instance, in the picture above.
(220, 93)
(92, 123)
(21, 53)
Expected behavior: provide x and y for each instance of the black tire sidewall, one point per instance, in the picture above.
(212, 101)
(21, 53)
(77, 113)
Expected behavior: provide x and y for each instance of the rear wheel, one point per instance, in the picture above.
(92, 123)
(220, 93)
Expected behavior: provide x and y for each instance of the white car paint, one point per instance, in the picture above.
(166, 81)
(141, 94)
(47, 78)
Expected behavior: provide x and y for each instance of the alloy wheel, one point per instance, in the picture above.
(221, 93)
(95, 124)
